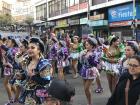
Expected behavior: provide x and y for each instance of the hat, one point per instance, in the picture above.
(61, 90)
(93, 40)
(75, 36)
(101, 40)
(110, 38)
(25, 43)
(39, 42)
(134, 45)
(15, 41)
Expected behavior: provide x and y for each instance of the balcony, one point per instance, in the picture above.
(73, 8)
(83, 5)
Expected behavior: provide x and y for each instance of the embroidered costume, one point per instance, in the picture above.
(35, 88)
(62, 57)
(89, 63)
(116, 55)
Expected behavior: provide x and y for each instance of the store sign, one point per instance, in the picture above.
(98, 23)
(124, 12)
(73, 22)
(122, 23)
(84, 21)
(97, 17)
(61, 23)
(50, 23)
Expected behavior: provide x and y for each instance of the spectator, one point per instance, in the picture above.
(60, 93)
(128, 85)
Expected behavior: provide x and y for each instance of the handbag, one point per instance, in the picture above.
(126, 91)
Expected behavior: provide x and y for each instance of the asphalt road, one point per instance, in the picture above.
(79, 99)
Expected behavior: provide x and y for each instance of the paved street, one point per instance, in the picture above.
(80, 99)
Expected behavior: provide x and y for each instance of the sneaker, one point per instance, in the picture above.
(99, 90)
(75, 76)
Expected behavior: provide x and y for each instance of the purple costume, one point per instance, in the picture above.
(89, 63)
(53, 52)
(9, 58)
(99, 53)
(62, 57)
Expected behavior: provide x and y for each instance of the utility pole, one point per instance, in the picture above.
(88, 11)
(133, 22)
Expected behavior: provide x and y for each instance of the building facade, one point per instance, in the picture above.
(22, 9)
(78, 16)
(5, 8)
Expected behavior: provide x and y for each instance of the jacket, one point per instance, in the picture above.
(118, 97)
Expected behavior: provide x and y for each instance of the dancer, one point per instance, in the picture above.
(9, 64)
(75, 55)
(20, 75)
(62, 59)
(38, 72)
(99, 51)
(53, 53)
(112, 57)
(131, 49)
(89, 61)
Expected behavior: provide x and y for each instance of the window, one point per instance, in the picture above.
(71, 2)
(63, 4)
(76, 2)
(82, 1)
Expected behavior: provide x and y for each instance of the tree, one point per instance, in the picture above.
(5, 19)
(29, 22)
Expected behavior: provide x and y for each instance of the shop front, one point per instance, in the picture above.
(61, 26)
(74, 27)
(123, 21)
(99, 25)
(85, 29)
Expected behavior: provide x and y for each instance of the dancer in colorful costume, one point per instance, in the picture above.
(112, 58)
(39, 74)
(89, 60)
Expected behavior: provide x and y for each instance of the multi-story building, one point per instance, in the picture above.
(102, 16)
(40, 17)
(5, 8)
(21, 9)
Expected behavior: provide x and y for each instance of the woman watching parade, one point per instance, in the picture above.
(128, 85)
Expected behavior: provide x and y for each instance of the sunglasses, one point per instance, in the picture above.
(133, 65)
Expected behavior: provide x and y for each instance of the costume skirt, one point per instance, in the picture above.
(74, 55)
(111, 68)
(62, 63)
(8, 71)
(89, 73)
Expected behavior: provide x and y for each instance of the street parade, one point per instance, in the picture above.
(63, 62)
